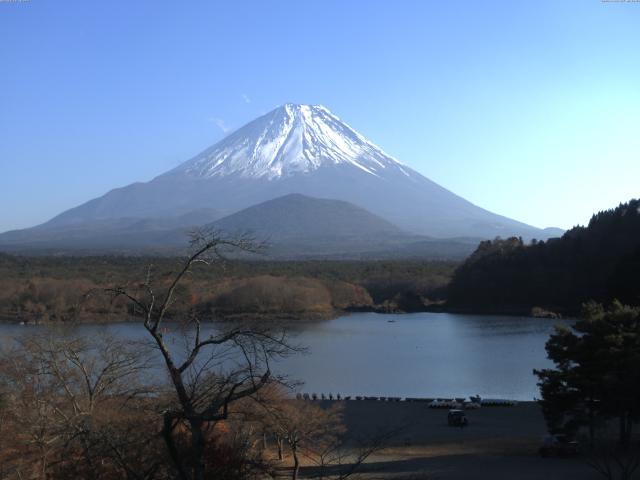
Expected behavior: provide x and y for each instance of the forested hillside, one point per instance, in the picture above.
(40, 289)
(599, 262)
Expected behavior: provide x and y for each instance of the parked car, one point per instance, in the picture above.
(457, 418)
(558, 445)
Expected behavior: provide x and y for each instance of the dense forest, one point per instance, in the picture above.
(599, 262)
(40, 289)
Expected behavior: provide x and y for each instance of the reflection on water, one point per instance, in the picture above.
(423, 354)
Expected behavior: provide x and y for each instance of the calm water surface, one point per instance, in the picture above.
(422, 354)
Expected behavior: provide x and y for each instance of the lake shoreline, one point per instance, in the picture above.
(292, 318)
(371, 354)
(109, 319)
(533, 312)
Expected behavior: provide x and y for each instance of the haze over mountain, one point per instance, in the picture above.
(296, 217)
(301, 149)
(298, 226)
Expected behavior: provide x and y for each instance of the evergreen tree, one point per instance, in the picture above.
(598, 262)
(597, 372)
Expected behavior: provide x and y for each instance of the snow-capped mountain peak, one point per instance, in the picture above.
(292, 139)
(292, 150)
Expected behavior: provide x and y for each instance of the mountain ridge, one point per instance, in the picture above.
(297, 216)
(292, 227)
(293, 149)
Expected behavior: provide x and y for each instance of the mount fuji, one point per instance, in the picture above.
(294, 149)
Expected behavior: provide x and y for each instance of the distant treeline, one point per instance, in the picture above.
(599, 262)
(55, 288)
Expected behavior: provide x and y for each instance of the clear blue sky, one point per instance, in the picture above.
(529, 109)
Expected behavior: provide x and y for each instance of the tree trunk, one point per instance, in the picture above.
(296, 463)
(279, 443)
(621, 427)
(197, 449)
(43, 466)
(592, 428)
(625, 431)
(167, 433)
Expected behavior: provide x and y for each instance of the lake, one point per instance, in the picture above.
(406, 355)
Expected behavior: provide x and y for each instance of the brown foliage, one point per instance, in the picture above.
(268, 295)
(43, 289)
(73, 409)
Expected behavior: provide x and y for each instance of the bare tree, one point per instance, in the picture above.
(307, 428)
(213, 371)
(345, 457)
(316, 432)
(613, 462)
(64, 403)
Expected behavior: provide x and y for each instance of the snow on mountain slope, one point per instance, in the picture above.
(294, 149)
(288, 140)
